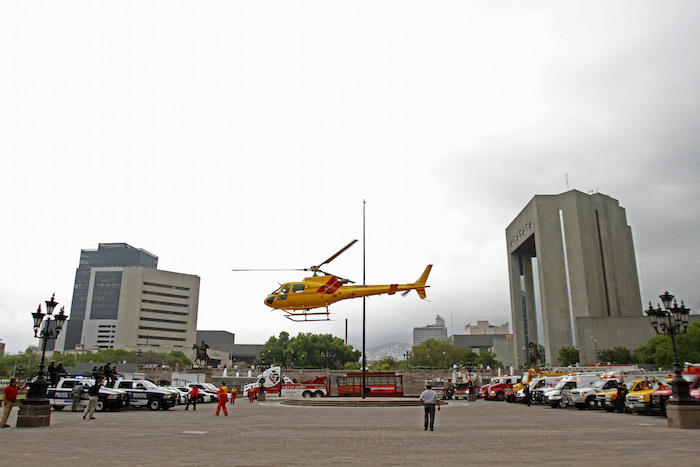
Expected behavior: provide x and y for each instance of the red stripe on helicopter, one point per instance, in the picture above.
(331, 286)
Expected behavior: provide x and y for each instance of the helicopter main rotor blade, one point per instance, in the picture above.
(239, 270)
(315, 268)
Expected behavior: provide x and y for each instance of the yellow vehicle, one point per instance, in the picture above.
(297, 299)
(608, 399)
(640, 401)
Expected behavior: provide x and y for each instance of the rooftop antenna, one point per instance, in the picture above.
(567, 181)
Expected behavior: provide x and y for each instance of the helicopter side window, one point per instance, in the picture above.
(298, 288)
(286, 288)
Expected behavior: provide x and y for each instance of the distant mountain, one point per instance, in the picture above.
(396, 350)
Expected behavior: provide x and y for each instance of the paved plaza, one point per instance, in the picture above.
(271, 434)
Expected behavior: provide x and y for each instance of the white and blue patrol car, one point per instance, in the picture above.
(144, 393)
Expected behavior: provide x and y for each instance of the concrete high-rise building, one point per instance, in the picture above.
(431, 331)
(121, 301)
(573, 277)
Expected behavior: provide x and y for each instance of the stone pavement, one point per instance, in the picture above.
(272, 434)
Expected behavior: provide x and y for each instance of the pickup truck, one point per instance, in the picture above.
(143, 393)
(607, 399)
(61, 396)
(585, 397)
(661, 397)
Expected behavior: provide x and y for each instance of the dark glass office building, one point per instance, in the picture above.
(107, 284)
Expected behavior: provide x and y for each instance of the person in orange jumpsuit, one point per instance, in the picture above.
(223, 397)
(234, 392)
(251, 394)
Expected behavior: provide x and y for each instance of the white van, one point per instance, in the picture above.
(553, 396)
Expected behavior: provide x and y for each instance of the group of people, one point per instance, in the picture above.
(223, 395)
(56, 372)
(108, 372)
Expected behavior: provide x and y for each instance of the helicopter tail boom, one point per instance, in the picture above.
(421, 282)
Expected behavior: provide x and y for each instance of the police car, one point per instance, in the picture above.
(61, 396)
(143, 393)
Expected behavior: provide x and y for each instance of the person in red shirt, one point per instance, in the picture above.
(9, 398)
(192, 397)
(234, 392)
(223, 397)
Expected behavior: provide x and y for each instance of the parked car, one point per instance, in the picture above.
(61, 396)
(144, 393)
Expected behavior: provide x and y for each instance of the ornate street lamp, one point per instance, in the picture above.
(37, 388)
(671, 321)
(408, 355)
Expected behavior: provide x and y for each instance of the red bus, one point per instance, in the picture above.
(377, 383)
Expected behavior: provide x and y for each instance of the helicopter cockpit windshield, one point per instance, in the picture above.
(276, 291)
(285, 288)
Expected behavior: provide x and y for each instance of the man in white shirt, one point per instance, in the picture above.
(430, 400)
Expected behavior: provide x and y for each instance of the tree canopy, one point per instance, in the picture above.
(434, 353)
(307, 350)
(568, 355)
(617, 355)
(659, 351)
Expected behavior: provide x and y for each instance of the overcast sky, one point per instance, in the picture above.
(223, 134)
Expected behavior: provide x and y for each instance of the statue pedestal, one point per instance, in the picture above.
(683, 416)
(33, 415)
(261, 397)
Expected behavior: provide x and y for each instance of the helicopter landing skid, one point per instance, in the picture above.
(307, 315)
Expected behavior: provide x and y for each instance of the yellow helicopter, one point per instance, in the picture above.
(297, 299)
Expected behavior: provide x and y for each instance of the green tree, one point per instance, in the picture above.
(434, 353)
(386, 364)
(568, 355)
(487, 358)
(617, 355)
(658, 351)
(307, 350)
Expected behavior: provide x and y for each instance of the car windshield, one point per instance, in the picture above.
(599, 384)
(210, 387)
(560, 385)
(149, 385)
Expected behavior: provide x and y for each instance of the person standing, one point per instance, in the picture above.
(60, 371)
(223, 397)
(251, 394)
(93, 396)
(234, 393)
(9, 399)
(192, 397)
(53, 375)
(621, 397)
(526, 391)
(77, 394)
(430, 400)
